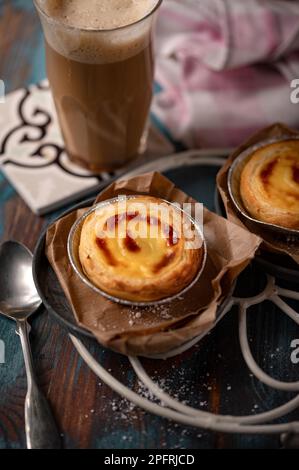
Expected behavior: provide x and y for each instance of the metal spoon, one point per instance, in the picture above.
(18, 301)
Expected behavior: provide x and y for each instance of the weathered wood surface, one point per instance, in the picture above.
(212, 375)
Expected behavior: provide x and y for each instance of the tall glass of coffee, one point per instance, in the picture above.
(100, 67)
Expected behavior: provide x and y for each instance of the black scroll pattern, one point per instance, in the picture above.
(33, 127)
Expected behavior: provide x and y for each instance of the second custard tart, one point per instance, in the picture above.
(270, 184)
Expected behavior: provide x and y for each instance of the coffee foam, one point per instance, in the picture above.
(102, 14)
(72, 33)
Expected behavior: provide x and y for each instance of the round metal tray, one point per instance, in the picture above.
(180, 169)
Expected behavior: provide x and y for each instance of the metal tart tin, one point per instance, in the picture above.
(73, 254)
(274, 234)
(278, 265)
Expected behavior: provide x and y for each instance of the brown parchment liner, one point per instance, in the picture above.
(270, 244)
(153, 330)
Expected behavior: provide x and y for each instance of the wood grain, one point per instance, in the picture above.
(212, 375)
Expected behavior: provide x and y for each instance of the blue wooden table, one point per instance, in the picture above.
(212, 375)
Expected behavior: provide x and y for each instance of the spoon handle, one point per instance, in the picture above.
(41, 430)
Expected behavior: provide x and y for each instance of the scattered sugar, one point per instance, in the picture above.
(190, 387)
(148, 316)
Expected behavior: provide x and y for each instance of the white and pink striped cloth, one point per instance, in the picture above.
(225, 68)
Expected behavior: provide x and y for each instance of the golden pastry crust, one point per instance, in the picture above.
(270, 184)
(137, 251)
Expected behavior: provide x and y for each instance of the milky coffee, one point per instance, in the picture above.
(100, 68)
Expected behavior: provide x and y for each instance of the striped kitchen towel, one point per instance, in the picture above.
(225, 68)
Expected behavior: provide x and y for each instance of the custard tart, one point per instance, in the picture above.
(269, 184)
(141, 249)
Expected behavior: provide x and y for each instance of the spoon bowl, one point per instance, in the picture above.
(18, 295)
